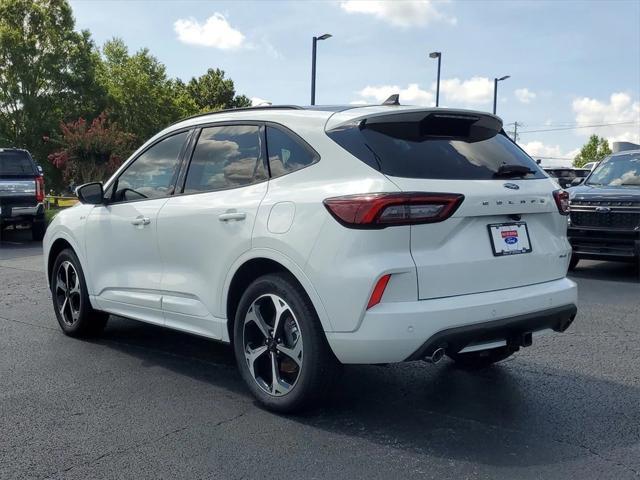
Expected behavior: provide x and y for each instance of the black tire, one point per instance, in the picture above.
(481, 358)
(37, 231)
(319, 367)
(79, 318)
(573, 262)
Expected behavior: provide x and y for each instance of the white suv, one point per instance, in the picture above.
(314, 237)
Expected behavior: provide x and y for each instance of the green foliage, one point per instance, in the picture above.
(594, 150)
(51, 75)
(47, 71)
(140, 95)
(91, 151)
(212, 91)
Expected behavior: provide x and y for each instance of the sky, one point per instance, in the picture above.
(572, 64)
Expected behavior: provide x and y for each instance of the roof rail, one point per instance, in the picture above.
(242, 109)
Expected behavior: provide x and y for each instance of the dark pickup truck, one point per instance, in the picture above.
(21, 192)
(604, 223)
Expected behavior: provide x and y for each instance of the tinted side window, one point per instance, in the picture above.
(226, 157)
(152, 174)
(286, 154)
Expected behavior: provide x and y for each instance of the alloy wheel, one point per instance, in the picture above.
(272, 343)
(67, 293)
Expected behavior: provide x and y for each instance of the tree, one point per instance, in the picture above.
(212, 91)
(141, 98)
(47, 72)
(90, 151)
(594, 150)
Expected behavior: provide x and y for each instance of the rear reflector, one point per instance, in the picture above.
(380, 210)
(562, 201)
(378, 291)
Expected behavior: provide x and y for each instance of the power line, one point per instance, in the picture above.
(581, 126)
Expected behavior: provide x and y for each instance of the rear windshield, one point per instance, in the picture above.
(392, 150)
(15, 163)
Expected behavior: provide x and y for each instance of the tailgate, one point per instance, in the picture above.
(456, 257)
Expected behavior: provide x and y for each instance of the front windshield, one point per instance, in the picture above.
(619, 170)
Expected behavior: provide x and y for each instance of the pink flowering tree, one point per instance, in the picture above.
(90, 152)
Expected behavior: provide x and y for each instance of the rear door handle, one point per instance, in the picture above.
(225, 217)
(141, 221)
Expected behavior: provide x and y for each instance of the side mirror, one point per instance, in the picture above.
(40, 171)
(576, 181)
(91, 193)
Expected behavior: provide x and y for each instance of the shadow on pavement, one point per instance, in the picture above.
(610, 271)
(516, 414)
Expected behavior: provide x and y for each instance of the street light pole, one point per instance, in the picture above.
(437, 55)
(495, 90)
(313, 65)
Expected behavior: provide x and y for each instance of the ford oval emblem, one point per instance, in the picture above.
(511, 186)
(603, 209)
(511, 240)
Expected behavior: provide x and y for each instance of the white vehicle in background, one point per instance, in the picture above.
(314, 237)
(590, 165)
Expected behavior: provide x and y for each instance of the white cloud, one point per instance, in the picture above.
(619, 109)
(412, 95)
(453, 92)
(551, 155)
(475, 91)
(256, 101)
(401, 13)
(524, 95)
(215, 32)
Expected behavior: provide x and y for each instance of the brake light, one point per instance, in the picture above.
(380, 210)
(562, 201)
(378, 291)
(40, 189)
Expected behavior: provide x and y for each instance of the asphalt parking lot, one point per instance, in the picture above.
(143, 402)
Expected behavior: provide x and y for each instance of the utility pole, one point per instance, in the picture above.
(514, 133)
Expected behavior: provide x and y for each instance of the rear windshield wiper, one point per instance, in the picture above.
(507, 171)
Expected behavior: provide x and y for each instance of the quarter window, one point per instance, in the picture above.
(226, 157)
(286, 154)
(153, 173)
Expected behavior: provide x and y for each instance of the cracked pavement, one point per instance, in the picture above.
(144, 402)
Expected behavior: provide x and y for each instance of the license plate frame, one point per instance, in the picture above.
(504, 248)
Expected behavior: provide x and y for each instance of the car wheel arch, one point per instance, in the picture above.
(249, 268)
(57, 246)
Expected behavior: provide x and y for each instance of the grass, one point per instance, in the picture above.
(50, 213)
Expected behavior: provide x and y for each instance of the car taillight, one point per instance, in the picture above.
(380, 210)
(562, 201)
(40, 189)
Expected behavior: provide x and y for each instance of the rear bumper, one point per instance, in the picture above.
(601, 244)
(15, 214)
(394, 332)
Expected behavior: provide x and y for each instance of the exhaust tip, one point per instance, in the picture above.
(435, 356)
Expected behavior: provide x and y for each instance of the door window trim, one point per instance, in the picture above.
(179, 190)
(296, 138)
(181, 159)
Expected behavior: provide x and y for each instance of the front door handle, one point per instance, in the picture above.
(141, 221)
(225, 217)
